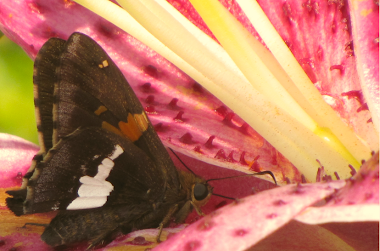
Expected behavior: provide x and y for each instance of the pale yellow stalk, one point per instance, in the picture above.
(306, 93)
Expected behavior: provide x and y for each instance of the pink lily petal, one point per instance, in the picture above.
(16, 156)
(357, 201)
(31, 23)
(272, 209)
(365, 31)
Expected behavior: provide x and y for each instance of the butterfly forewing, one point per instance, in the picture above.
(92, 91)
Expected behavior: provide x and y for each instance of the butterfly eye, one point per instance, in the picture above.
(200, 191)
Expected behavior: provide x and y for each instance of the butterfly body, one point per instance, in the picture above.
(101, 164)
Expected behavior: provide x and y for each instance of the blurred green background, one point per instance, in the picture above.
(16, 91)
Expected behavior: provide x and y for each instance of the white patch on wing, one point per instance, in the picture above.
(94, 191)
(118, 150)
(87, 202)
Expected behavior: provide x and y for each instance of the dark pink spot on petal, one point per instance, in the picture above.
(206, 225)
(363, 107)
(336, 175)
(349, 49)
(2, 243)
(307, 61)
(151, 71)
(279, 203)
(255, 165)
(337, 67)
(286, 9)
(240, 232)
(320, 53)
(173, 104)
(192, 245)
(316, 7)
(198, 149)
(228, 118)
(220, 155)
(179, 117)
(311, 7)
(369, 121)
(222, 111)
(298, 189)
(48, 32)
(187, 138)
(149, 99)
(208, 143)
(242, 159)
(368, 196)
(150, 109)
(271, 216)
(303, 179)
(197, 88)
(147, 88)
(333, 27)
(140, 241)
(158, 127)
(230, 157)
(244, 128)
(308, 5)
(273, 159)
(108, 30)
(36, 8)
(358, 95)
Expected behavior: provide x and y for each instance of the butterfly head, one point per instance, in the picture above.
(201, 193)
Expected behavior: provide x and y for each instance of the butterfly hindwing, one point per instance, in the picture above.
(92, 174)
(44, 79)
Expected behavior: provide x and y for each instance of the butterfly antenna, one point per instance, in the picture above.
(181, 161)
(252, 174)
(222, 196)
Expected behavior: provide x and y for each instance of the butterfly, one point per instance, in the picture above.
(101, 164)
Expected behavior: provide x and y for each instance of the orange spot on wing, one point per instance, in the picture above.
(111, 128)
(130, 128)
(100, 110)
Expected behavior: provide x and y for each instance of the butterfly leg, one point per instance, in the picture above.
(197, 209)
(35, 224)
(166, 220)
